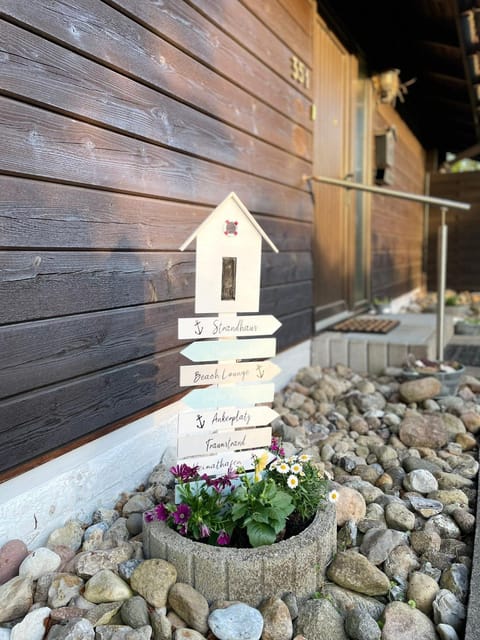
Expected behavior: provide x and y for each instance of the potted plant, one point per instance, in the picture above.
(469, 326)
(382, 304)
(246, 535)
(448, 372)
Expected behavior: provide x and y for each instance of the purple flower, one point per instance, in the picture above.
(149, 517)
(223, 538)
(274, 445)
(204, 530)
(281, 452)
(184, 472)
(182, 514)
(183, 530)
(161, 512)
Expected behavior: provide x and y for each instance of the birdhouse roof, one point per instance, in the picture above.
(232, 197)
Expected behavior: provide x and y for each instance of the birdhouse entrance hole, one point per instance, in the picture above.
(229, 274)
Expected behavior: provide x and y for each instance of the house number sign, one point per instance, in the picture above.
(299, 72)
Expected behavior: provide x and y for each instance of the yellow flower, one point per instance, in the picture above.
(292, 481)
(260, 464)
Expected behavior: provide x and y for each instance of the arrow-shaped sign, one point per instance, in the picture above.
(224, 418)
(223, 441)
(204, 374)
(209, 350)
(219, 465)
(234, 327)
(238, 396)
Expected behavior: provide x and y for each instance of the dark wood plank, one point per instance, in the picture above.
(189, 30)
(47, 145)
(140, 54)
(34, 423)
(46, 215)
(295, 328)
(86, 90)
(46, 284)
(285, 299)
(38, 354)
(240, 24)
(274, 14)
(38, 285)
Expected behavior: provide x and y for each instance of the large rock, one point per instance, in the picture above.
(378, 543)
(63, 587)
(88, 563)
(420, 389)
(70, 535)
(73, 630)
(236, 622)
(12, 555)
(319, 619)
(153, 579)
(106, 586)
(16, 598)
(32, 627)
(402, 622)
(351, 570)
(277, 623)
(423, 590)
(350, 505)
(428, 430)
(346, 600)
(361, 626)
(448, 609)
(39, 562)
(421, 481)
(190, 605)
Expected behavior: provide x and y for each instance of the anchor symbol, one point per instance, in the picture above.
(260, 371)
(200, 421)
(198, 327)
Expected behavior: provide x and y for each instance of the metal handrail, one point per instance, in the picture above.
(414, 197)
(442, 238)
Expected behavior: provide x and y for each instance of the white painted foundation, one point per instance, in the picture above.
(74, 485)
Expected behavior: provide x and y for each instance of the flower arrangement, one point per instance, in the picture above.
(245, 509)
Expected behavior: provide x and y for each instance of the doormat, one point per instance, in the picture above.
(365, 325)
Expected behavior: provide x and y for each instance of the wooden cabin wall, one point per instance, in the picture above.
(463, 266)
(123, 124)
(397, 225)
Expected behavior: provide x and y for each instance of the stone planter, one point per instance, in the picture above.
(467, 329)
(250, 575)
(449, 380)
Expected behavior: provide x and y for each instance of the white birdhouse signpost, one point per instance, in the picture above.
(225, 425)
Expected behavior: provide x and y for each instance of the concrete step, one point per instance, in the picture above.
(367, 352)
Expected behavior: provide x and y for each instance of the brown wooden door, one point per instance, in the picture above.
(334, 83)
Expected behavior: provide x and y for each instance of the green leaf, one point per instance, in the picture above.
(239, 510)
(260, 516)
(260, 534)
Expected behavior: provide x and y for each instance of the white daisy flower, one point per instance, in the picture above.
(296, 468)
(292, 481)
(283, 467)
(292, 459)
(304, 457)
(333, 495)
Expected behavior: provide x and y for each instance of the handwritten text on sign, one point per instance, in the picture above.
(219, 465)
(224, 418)
(206, 327)
(227, 373)
(224, 441)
